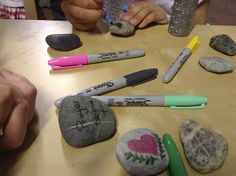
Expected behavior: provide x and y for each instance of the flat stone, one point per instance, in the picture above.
(63, 42)
(142, 152)
(204, 149)
(216, 65)
(224, 44)
(123, 28)
(84, 121)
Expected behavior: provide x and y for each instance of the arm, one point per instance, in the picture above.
(201, 15)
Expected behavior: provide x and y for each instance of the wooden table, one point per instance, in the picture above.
(23, 50)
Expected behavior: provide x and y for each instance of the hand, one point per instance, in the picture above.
(17, 107)
(83, 14)
(142, 13)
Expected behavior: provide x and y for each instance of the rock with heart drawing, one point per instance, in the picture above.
(142, 152)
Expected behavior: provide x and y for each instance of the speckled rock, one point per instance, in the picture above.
(224, 44)
(84, 121)
(142, 152)
(180, 23)
(63, 42)
(204, 149)
(216, 65)
(123, 28)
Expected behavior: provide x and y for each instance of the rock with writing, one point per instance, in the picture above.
(63, 42)
(224, 44)
(204, 149)
(123, 28)
(84, 121)
(142, 152)
(216, 64)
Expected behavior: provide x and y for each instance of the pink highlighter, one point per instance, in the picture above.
(67, 62)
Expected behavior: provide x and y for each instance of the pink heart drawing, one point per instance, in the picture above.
(146, 144)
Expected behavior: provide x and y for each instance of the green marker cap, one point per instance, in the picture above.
(185, 101)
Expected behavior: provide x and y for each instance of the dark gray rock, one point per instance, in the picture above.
(216, 65)
(123, 28)
(224, 44)
(84, 121)
(204, 149)
(63, 42)
(142, 152)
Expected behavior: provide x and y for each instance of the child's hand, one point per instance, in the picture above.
(142, 13)
(17, 107)
(83, 14)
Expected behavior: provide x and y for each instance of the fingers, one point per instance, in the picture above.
(6, 102)
(142, 13)
(83, 14)
(24, 88)
(152, 18)
(15, 127)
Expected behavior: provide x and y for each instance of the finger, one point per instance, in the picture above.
(140, 16)
(83, 15)
(6, 102)
(23, 87)
(147, 20)
(133, 10)
(15, 128)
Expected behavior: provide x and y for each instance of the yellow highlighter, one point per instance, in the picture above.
(180, 60)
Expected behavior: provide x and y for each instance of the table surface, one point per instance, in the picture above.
(23, 50)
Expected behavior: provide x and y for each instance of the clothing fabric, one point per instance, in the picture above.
(12, 3)
(12, 9)
(12, 12)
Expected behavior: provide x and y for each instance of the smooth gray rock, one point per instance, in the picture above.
(142, 152)
(224, 44)
(63, 42)
(84, 121)
(123, 28)
(204, 149)
(216, 65)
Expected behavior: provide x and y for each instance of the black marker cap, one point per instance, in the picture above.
(140, 77)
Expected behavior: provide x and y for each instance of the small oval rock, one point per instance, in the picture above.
(224, 44)
(123, 28)
(63, 42)
(216, 64)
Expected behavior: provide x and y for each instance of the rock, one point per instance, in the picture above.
(63, 42)
(204, 149)
(123, 28)
(224, 44)
(84, 121)
(180, 24)
(216, 65)
(142, 152)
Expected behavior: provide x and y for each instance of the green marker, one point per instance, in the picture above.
(176, 165)
(172, 101)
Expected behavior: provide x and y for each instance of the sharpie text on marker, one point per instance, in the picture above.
(180, 60)
(67, 62)
(172, 101)
(132, 79)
